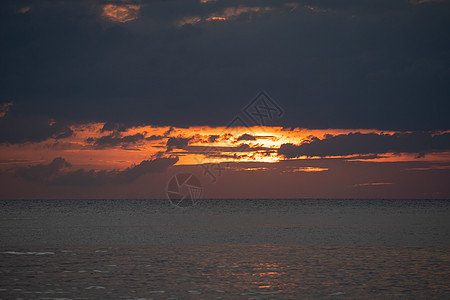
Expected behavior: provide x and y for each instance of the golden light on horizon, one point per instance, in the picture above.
(92, 147)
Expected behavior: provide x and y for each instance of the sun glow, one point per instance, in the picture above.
(93, 147)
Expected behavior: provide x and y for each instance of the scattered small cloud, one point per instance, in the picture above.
(24, 10)
(317, 9)
(225, 14)
(231, 12)
(213, 138)
(5, 108)
(155, 137)
(115, 126)
(177, 143)
(374, 184)
(246, 137)
(188, 21)
(251, 169)
(216, 19)
(121, 13)
(417, 2)
(432, 167)
(116, 139)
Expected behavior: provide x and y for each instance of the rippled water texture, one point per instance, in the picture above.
(246, 249)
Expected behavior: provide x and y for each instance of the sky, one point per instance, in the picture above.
(256, 98)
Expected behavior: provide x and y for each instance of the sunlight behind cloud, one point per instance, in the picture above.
(93, 147)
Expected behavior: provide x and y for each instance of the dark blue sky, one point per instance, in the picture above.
(330, 64)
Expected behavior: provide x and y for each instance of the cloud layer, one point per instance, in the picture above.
(370, 143)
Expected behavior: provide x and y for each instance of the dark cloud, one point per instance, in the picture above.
(213, 138)
(158, 165)
(54, 173)
(371, 143)
(155, 137)
(329, 64)
(15, 129)
(177, 143)
(218, 151)
(83, 177)
(114, 126)
(116, 139)
(246, 137)
(160, 137)
(42, 172)
(4, 108)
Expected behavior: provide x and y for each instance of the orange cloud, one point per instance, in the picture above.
(4, 108)
(24, 10)
(121, 12)
(216, 19)
(226, 14)
(188, 20)
(232, 12)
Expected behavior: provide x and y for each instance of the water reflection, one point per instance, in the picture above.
(236, 271)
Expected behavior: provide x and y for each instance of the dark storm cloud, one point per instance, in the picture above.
(329, 64)
(371, 143)
(53, 173)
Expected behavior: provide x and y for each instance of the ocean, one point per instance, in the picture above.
(225, 249)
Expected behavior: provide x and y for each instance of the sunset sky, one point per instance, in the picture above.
(258, 99)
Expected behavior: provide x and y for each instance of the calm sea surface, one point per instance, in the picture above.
(225, 249)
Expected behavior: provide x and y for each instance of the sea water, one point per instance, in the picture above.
(225, 249)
